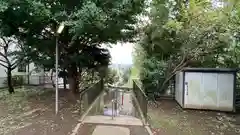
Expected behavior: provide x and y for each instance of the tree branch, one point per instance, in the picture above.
(3, 61)
(3, 65)
(16, 63)
(7, 43)
(5, 57)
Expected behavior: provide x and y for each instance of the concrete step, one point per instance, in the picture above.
(119, 120)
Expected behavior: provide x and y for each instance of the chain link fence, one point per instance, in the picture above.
(20, 80)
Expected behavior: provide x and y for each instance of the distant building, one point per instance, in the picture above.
(35, 77)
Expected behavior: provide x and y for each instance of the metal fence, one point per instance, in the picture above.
(19, 80)
(89, 95)
(141, 98)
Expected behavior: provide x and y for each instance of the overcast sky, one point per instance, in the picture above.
(121, 53)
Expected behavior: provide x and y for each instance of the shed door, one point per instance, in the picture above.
(209, 91)
(192, 92)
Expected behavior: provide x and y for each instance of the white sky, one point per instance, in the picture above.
(121, 53)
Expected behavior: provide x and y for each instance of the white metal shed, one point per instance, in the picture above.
(206, 88)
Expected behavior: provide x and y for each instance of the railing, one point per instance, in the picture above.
(119, 87)
(90, 94)
(141, 98)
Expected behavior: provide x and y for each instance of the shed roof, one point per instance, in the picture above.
(215, 70)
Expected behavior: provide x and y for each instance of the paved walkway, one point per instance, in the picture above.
(111, 130)
(125, 123)
(127, 107)
(106, 129)
(120, 120)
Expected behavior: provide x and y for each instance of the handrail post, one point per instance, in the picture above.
(112, 107)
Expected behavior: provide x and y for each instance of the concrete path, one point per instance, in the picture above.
(127, 107)
(120, 120)
(105, 129)
(124, 123)
(111, 130)
(124, 105)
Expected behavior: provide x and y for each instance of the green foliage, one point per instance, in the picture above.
(134, 72)
(126, 75)
(88, 24)
(17, 80)
(186, 34)
(112, 76)
(87, 79)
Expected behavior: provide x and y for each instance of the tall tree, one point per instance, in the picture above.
(88, 24)
(10, 57)
(112, 76)
(192, 33)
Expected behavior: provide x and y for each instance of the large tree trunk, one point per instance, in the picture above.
(73, 79)
(65, 82)
(9, 80)
(51, 78)
(171, 74)
(64, 79)
(28, 71)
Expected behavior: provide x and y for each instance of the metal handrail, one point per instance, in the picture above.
(112, 108)
(134, 81)
(91, 93)
(119, 87)
(141, 98)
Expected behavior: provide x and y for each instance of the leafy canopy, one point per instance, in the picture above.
(88, 24)
(187, 33)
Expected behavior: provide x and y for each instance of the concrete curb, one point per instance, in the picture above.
(77, 127)
(149, 130)
(75, 130)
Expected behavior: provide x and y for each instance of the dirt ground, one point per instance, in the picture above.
(31, 111)
(170, 119)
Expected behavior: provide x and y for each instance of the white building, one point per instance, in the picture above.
(7, 46)
(35, 77)
(31, 74)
